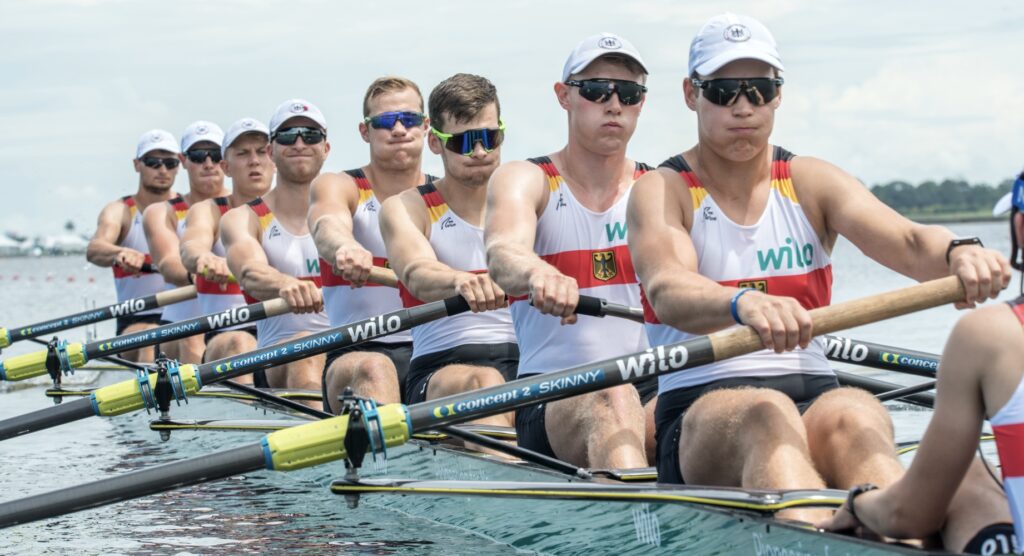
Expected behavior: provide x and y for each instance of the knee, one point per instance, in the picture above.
(378, 369)
(479, 377)
(848, 412)
(240, 342)
(620, 402)
(747, 413)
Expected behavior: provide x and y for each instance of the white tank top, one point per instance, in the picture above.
(130, 286)
(460, 246)
(344, 304)
(213, 297)
(590, 247)
(295, 256)
(1008, 427)
(781, 255)
(185, 309)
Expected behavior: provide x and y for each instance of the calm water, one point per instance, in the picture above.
(267, 512)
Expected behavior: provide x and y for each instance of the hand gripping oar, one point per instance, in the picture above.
(378, 428)
(879, 356)
(70, 356)
(587, 305)
(121, 309)
(136, 394)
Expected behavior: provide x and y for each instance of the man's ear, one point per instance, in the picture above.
(364, 131)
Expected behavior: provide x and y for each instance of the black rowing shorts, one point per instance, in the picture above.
(803, 389)
(398, 352)
(503, 357)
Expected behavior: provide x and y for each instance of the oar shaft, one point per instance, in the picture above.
(670, 358)
(48, 417)
(120, 309)
(133, 485)
(878, 356)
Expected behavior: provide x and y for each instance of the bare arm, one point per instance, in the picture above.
(201, 230)
(405, 225)
(103, 248)
(916, 505)
(914, 250)
(163, 243)
(239, 230)
(516, 197)
(666, 262)
(333, 199)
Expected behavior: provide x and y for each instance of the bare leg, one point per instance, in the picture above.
(455, 379)
(650, 441)
(978, 502)
(850, 435)
(228, 344)
(304, 374)
(369, 374)
(186, 350)
(603, 429)
(141, 355)
(751, 438)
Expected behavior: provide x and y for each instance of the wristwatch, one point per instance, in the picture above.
(855, 492)
(961, 241)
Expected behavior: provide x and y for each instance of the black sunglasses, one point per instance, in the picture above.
(600, 90)
(387, 120)
(155, 162)
(310, 135)
(198, 156)
(465, 143)
(725, 92)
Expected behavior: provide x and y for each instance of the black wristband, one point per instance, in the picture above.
(961, 241)
(855, 492)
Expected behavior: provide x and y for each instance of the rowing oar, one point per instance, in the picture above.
(377, 428)
(587, 305)
(121, 309)
(66, 357)
(879, 356)
(136, 394)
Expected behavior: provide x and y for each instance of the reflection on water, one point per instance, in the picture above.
(265, 512)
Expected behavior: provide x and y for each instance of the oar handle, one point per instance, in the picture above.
(742, 340)
(177, 295)
(383, 276)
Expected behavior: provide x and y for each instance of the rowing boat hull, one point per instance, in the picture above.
(637, 519)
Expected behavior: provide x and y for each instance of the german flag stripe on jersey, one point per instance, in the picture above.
(129, 201)
(554, 179)
(594, 268)
(122, 273)
(180, 207)
(365, 191)
(436, 205)
(222, 205)
(262, 211)
(329, 279)
(781, 179)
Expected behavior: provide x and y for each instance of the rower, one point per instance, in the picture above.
(344, 215)
(119, 241)
(435, 242)
(737, 231)
(164, 224)
(270, 250)
(556, 227)
(980, 377)
(246, 160)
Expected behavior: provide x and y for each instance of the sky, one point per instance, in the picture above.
(886, 90)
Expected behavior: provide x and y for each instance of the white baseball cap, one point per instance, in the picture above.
(595, 46)
(154, 140)
(296, 108)
(240, 128)
(730, 37)
(1015, 198)
(201, 131)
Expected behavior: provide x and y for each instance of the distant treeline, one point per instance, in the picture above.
(946, 197)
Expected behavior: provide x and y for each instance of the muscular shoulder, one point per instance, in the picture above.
(238, 221)
(519, 179)
(987, 329)
(406, 206)
(815, 177)
(157, 213)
